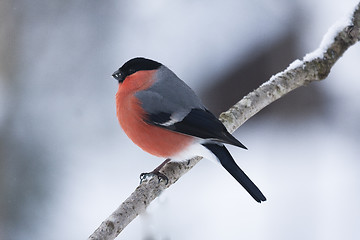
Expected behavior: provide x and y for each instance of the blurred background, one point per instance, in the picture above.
(65, 163)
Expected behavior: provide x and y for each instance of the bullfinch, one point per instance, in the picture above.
(164, 117)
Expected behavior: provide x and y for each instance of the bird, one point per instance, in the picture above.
(163, 116)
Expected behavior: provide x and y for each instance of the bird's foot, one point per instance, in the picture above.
(159, 175)
(156, 172)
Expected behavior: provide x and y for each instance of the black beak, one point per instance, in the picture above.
(118, 76)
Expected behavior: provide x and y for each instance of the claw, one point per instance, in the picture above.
(144, 176)
(162, 177)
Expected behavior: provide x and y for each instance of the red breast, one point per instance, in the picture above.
(152, 139)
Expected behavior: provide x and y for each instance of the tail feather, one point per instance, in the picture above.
(229, 164)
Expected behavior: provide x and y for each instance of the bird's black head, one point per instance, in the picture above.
(134, 65)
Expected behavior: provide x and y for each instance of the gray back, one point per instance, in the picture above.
(169, 94)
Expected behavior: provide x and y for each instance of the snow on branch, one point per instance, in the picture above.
(314, 66)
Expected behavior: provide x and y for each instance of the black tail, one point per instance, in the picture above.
(229, 164)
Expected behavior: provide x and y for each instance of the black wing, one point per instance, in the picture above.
(200, 123)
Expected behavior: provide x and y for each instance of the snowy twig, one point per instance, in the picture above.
(314, 66)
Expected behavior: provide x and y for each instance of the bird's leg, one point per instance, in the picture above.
(156, 172)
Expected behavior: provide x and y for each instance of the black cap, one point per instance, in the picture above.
(134, 65)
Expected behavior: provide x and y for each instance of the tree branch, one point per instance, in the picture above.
(313, 67)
